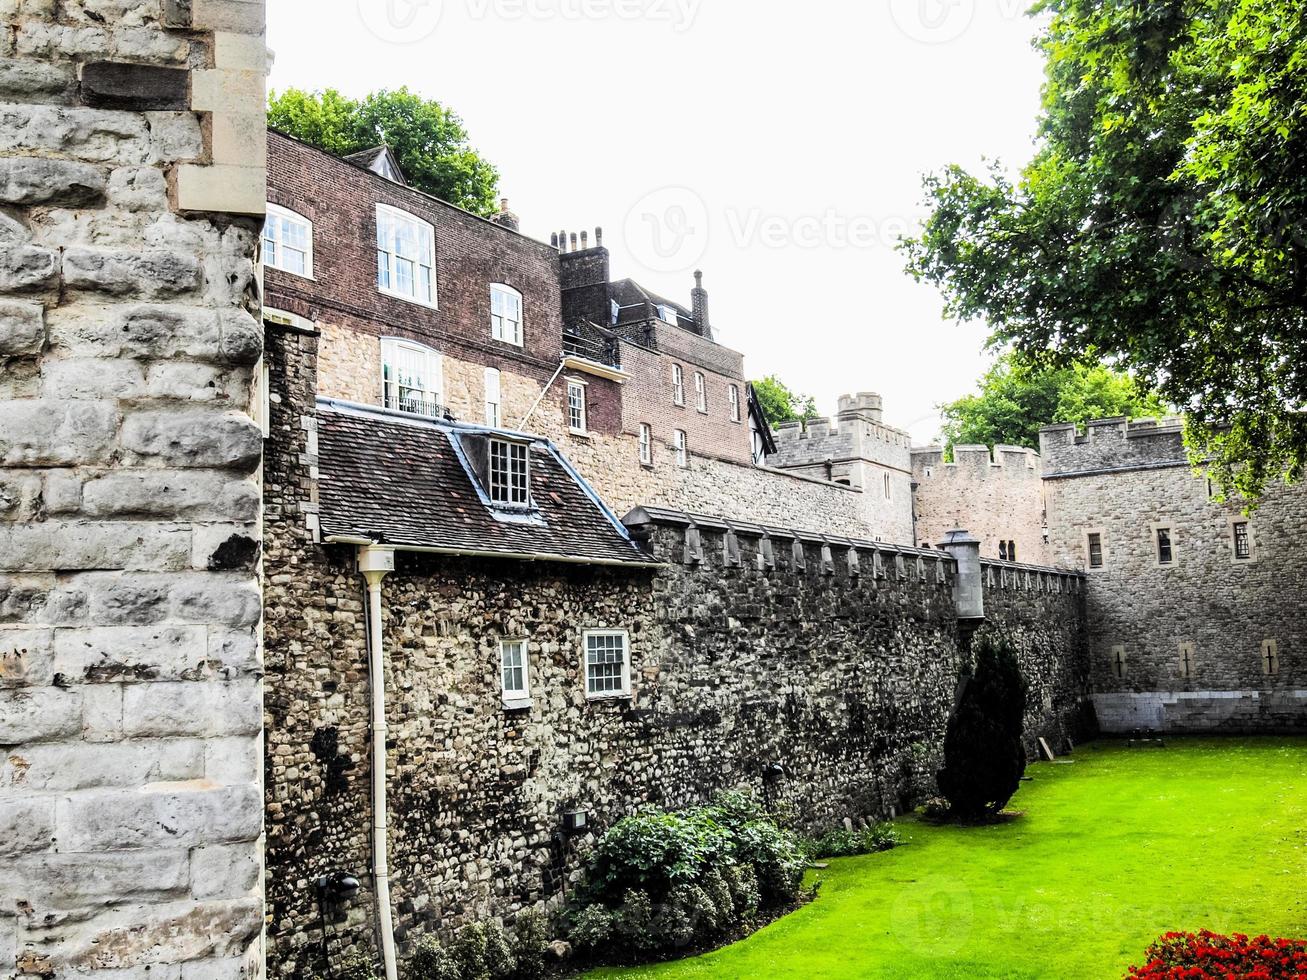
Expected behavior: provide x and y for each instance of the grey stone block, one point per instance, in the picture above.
(150, 274)
(167, 815)
(195, 437)
(39, 715)
(22, 328)
(26, 824)
(34, 180)
(26, 268)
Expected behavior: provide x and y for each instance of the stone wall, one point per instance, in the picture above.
(998, 498)
(1190, 632)
(859, 450)
(839, 668)
(130, 691)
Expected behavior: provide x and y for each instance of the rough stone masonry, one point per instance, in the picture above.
(131, 184)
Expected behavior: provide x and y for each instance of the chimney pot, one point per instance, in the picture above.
(553, 239)
(573, 242)
(585, 240)
(599, 236)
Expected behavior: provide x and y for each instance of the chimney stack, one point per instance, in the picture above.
(699, 305)
(505, 218)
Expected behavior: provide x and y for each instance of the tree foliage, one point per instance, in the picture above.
(1018, 395)
(781, 403)
(1161, 222)
(428, 140)
(984, 759)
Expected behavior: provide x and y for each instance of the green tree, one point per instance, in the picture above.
(1161, 221)
(781, 404)
(1018, 395)
(428, 140)
(984, 759)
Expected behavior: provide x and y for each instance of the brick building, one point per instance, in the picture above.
(425, 308)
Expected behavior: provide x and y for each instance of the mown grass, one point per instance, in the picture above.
(1111, 851)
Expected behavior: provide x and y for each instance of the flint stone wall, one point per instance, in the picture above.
(130, 668)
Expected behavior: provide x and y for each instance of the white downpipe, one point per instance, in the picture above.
(375, 564)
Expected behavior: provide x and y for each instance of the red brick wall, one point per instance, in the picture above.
(648, 397)
(340, 199)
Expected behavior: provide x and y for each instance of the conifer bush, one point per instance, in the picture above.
(984, 758)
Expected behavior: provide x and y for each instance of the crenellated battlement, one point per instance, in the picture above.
(1014, 461)
(1108, 444)
(858, 431)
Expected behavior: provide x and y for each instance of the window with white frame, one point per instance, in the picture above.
(505, 314)
(1165, 546)
(513, 671)
(668, 314)
(492, 398)
(733, 398)
(288, 241)
(607, 663)
(411, 379)
(509, 476)
(680, 448)
(646, 444)
(576, 406)
(406, 256)
(887, 486)
(678, 385)
(700, 393)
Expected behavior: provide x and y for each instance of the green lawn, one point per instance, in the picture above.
(1114, 849)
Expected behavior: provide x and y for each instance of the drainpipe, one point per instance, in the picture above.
(543, 391)
(375, 564)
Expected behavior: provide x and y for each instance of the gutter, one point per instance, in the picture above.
(478, 553)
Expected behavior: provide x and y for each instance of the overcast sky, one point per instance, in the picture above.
(779, 146)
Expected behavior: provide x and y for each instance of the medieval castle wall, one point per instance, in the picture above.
(999, 498)
(730, 686)
(1180, 644)
(131, 791)
(857, 450)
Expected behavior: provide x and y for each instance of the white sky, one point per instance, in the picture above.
(776, 144)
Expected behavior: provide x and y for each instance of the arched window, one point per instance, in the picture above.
(411, 378)
(406, 256)
(288, 241)
(505, 314)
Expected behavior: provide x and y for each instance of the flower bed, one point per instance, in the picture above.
(1212, 956)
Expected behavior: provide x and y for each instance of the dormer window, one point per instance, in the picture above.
(505, 314)
(509, 482)
(668, 314)
(411, 378)
(614, 311)
(406, 256)
(288, 241)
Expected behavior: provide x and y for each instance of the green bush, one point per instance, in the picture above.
(983, 755)
(431, 961)
(846, 843)
(531, 943)
(658, 881)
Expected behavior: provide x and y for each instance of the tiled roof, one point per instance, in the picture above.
(401, 481)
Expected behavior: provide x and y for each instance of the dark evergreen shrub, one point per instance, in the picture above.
(983, 755)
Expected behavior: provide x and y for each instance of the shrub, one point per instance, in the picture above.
(356, 966)
(531, 943)
(500, 961)
(983, 755)
(431, 961)
(469, 951)
(659, 882)
(1211, 956)
(592, 928)
(654, 852)
(846, 843)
